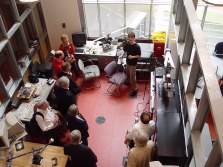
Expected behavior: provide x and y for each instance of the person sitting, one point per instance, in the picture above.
(68, 48)
(143, 151)
(45, 122)
(145, 124)
(77, 121)
(81, 155)
(73, 87)
(57, 62)
(64, 96)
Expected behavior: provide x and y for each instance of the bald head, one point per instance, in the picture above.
(75, 137)
(64, 82)
(73, 110)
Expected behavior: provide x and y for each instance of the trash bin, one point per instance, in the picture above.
(159, 39)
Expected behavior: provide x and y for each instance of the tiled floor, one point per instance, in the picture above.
(107, 139)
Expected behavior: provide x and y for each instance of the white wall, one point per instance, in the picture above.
(57, 12)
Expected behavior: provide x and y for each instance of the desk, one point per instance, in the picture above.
(25, 110)
(49, 153)
(170, 129)
(96, 52)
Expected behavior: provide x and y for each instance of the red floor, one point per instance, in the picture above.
(106, 139)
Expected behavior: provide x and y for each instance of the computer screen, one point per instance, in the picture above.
(79, 39)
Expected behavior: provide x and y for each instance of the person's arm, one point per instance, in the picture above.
(134, 56)
(42, 124)
(129, 136)
(122, 55)
(92, 157)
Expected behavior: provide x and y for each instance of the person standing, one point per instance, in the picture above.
(133, 51)
(143, 151)
(81, 155)
(69, 50)
(57, 62)
(76, 121)
(64, 96)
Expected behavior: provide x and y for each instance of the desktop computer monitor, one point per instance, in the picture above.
(4, 141)
(79, 39)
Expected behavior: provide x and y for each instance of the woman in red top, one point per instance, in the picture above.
(57, 62)
(68, 49)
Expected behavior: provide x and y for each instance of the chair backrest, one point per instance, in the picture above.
(81, 65)
(219, 48)
(110, 68)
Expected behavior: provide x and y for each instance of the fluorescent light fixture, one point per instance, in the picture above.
(214, 2)
(26, 1)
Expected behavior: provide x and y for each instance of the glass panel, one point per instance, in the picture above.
(7, 14)
(91, 18)
(6, 69)
(22, 7)
(138, 16)
(160, 17)
(38, 22)
(213, 27)
(112, 19)
(17, 46)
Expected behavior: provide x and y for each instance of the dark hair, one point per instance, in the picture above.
(142, 117)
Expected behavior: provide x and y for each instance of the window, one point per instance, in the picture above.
(91, 19)
(104, 17)
(213, 27)
(7, 14)
(112, 18)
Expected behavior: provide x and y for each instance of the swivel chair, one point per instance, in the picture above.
(218, 51)
(89, 72)
(114, 77)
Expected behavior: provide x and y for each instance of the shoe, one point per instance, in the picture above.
(133, 93)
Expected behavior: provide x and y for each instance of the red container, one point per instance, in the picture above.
(158, 49)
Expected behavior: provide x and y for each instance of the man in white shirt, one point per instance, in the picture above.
(145, 125)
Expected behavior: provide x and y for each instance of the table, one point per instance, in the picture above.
(49, 153)
(92, 51)
(25, 110)
(170, 129)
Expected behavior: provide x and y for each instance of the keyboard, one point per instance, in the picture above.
(79, 50)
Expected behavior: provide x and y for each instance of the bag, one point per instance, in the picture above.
(120, 68)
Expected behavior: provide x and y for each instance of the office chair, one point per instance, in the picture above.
(89, 72)
(114, 77)
(218, 51)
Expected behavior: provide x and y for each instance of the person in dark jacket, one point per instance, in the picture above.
(73, 87)
(81, 155)
(76, 121)
(64, 96)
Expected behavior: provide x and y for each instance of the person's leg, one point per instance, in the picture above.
(132, 75)
(132, 71)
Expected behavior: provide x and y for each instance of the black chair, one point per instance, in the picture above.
(218, 51)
